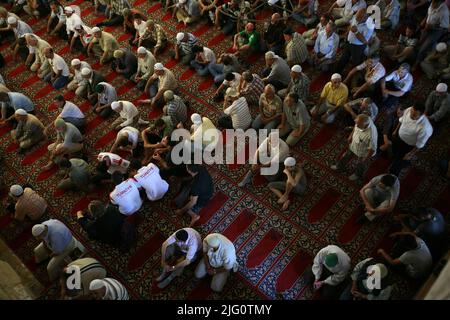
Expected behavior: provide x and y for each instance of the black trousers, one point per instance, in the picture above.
(114, 20)
(352, 56)
(327, 292)
(399, 149)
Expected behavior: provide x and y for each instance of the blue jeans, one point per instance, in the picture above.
(258, 124)
(154, 88)
(217, 72)
(59, 83)
(202, 70)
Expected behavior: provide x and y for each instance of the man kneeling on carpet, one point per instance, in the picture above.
(196, 193)
(29, 130)
(219, 258)
(177, 252)
(69, 141)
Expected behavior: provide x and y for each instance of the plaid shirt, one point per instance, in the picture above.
(253, 90)
(117, 6)
(176, 110)
(300, 86)
(296, 51)
(157, 34)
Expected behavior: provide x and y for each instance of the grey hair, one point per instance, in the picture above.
(271, 86)
(365, 118)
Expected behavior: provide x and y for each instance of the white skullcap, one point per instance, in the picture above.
(11, 20)
(441, 47)
(196, 118)
(159, 66)
(115, 105)
(21, 112)
(85, 71)
(37, 230)
(289, 162)
(95, 29)
(96, 284)
(272, 2)
(441, 87)
(231, 92)
(141, 50)
(180, 36)
(75, 62)
(68, 9)
(269, 55)
(336, 76)
(168, 94)
(341, 3)
(213, 240)
(297, 68)
(16, 190)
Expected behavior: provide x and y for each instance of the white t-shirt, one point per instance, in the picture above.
(140, 27)
(117, 163)
(126, 196)
(148, 178)
(209, 55)
(191, 246)
(71, 110)
(133, 135)
(58, 64)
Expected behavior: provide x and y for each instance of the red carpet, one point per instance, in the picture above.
(263, 249)
(293, 271)
(213, 205)
(146, 251)
(328, 199)
(239, 225)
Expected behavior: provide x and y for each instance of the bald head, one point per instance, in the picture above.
(269, 91)
(362, 121)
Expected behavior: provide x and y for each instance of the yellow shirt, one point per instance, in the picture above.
(336, 97)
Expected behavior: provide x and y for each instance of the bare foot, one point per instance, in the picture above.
(282, 200)
(194, 219)
(286, 204)
(48, 166)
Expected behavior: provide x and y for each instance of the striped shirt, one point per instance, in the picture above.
(300, 86)
(177, 111)
(114, 290)
(296, 50)
(117, 6)
(90, 269)
(186, 46)
(30, 204)
(253, 90)
(271, 107)
(239, 113)
(157, 34)
(364, 140)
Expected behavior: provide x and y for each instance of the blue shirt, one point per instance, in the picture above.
(365, 28)
(58, 236)
(20, 101)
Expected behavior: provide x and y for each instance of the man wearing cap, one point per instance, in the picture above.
(115, 17)
(270, 154)
(72, 20)
(57, 243)
(78, 83)
(329, 270)
(81, 38)
(90, 269)
(28, 203)
(128, 115)
(203, 129)
(251, 86)
(125, 194)
(59, 75)
(108, 289)
(11, 102)
(247, 41)
(296, 51)
(68, 141)
(56, 24)
(396, 85)
(108, 44)
(92, 78)
(155, 37)
(436, 61)
(359, 289)
(162, 80)
(36, 57)
(177, 252)
(29, 130)
(295, 183)
(299, 84)
(363, 143)
(125, 63)
(204, 57)
(183, 47)
(334, 95)
(270, 110)
(295, 120)
(277, 71)
(236, 112)
(325, 48)
(145, 67)
(219, 259)
(106, 95)
(20, 29)
(437, 106)
(186, 11)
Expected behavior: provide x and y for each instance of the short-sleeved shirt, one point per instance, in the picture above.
(418, 262)
(191, 246)
(202, 187)
(58, 64)
(71, 110)
(239, 113)
(252, 39)
(414, 132)
(297, 115)
(126, 196)
(132, 133)
(148, 178)
(403, 84)
(336, 97)
(391, 193)
(72, 134)
(272, 107)
(373, 73)
(117, 163)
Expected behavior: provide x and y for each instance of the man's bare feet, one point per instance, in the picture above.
(194, 219)
(282, 200)
(48, 166)
(286, 204)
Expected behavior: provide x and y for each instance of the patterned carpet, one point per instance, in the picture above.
(274, 248)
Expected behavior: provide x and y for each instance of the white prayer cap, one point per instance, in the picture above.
(441, 47)
(115, 105)
(336, 76)
(182, 1)
(341, 3)
(85, 71)
(441, 87)
(96, 284)
(37, 230)
(272, 2)
(11, 20)
(289, 162)
(180, 36)
(168, 94)
(75, 62)
(16, 190)
(196, 118)
(269, 55)
(21, 112)
(231, 92)
(159, 66)
(141, 50)
(69, 9)
(296, 68)
(95, 29)
(213, 240)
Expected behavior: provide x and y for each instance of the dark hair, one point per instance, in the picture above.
(4, 96)
(388, 180)
(181, 235)
(60, 98)
(65, 163)
(409, 241)
(123, 141)
(135, 164)
(227, 60)
(248, 76)
(137, 16)
(288, 31)
(229, 76)
(159, 122)
(117, 177)
(294, 97)
(197, 49)
(419, 106)
(193, 167)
